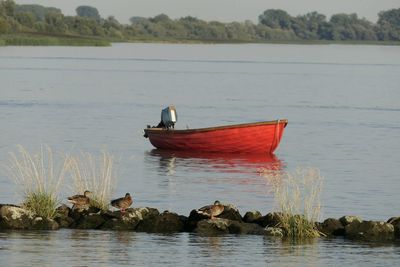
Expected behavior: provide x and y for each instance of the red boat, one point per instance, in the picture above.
(258, 137)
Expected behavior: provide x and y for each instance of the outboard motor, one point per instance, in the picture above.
(168, 117)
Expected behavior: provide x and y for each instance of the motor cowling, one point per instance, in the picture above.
(169, 117)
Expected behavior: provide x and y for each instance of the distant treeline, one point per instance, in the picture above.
(273, 25)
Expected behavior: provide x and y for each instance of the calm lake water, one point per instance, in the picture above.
(343, 107)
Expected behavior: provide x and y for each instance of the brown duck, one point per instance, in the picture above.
(122, 203)
(212, 210)
(80, 201)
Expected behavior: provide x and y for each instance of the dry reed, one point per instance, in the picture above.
(298, 196)
(95, 175)
(38, 178)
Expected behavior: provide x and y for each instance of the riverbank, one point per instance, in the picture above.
(36, 39)
(30, 39)
(230, 221)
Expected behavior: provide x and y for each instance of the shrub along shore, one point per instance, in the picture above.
(271, 26)
(150, 220)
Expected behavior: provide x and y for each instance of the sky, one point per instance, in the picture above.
(220, 10)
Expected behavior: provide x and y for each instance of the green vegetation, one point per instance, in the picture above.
(42, 40)
(297, 195)
(40, 176)
(274, 25)
(39, 180)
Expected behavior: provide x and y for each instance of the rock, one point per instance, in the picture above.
(44, 224)
(370, 231)
(231, 213)
(219, 226)
(236, 227)
(395, 221)
(14, 217)
(213, 227)
(345, 220)
(194, 218)
(131, 219)
(331, 227)
(63, 210)
(167, 222)
(64, 222)
(91, 221)
(272, 219)
(252, 216)
(149, 219)
(62, 216)
(273, 231)
(77, 214)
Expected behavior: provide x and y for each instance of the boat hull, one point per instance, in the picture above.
(260, 137)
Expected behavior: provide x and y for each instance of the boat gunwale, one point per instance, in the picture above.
(215, 128)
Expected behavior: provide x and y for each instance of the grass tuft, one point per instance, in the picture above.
(38, 178)
(42, 204)
(96, 175)
(297, 195)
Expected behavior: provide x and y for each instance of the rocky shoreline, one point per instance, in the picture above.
(150, 220)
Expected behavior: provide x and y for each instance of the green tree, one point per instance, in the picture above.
(161, 18)
(7, 7)
(55, 22)
(37, 10)
(26, 18)
(275, 18)
(4, 26)
(136, 20)
(88, 11)
(309, 25)
(349, 27)
(388, 26)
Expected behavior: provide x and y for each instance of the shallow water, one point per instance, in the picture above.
(342, 103)
(103, 248)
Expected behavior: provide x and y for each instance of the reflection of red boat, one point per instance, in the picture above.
(222, 162)
(259, 137)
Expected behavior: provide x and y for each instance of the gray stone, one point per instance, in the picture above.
(13, 217)
(370, 231)
(272, 219)
(168, 222)
(63, 210)
(44, 224)
(91, 221)
(395, 221)
(64, 222)
(231, 213)
(209, 227)
(331, 227)
(194, 218)
(131, 219)
(345, 220)
(149, 217)
(252, 216)
(236, 227)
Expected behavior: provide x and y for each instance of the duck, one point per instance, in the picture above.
(122, 203)
(212, 210)
(80, 201)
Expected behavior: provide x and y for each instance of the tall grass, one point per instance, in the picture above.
(96, 175)
(38, 178)
(297, 195)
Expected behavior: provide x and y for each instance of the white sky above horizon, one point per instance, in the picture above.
(220, 10)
